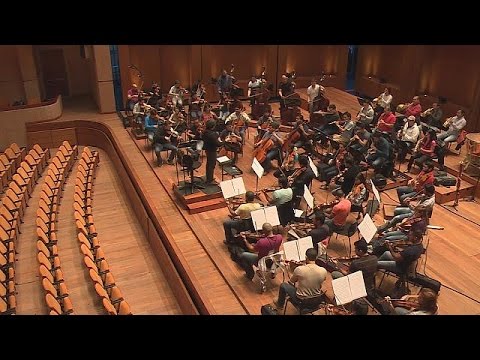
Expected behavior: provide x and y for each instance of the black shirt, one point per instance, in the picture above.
(303, 179)
(409, 255)
(287, 88)
(319, 234)
(210, 139)
(349, 179)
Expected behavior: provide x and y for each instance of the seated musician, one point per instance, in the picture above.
(383, 100)
(283, 195)
(232, 140)
(330, 117)
(305, 134)
(195, 107)
(253, 90)
(380, 152)
(224, 83)
(414, 108)
(433, 116)
(275, 151)
(312, 93)
(425, 148)
(239, 120)
(139, 111)
(397, 261)
(165, 138)
(270, 243)
(309, 277)
(386, 121)
(285, 88)
(151, 121)
(244, 220)
(176, 92)
(337, 216)
(321, 232)
(198, 89)
(132, 97)
(289, 164)
(195, 131)
(358, 194)
(156, 96)
(301, 177)
(365, 115)
(415, 223)
(336, 166)
(346, 128)
(365, 263)
(263, 122)
(455, 125)
(349, 175)
(425, 303)
(407, 138)
(416, 185)
(425, 203)
(361, 139)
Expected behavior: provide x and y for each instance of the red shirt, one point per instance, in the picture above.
(388, 119)
(266, 244)
(423, 179)
(414, 110)
(340, 212)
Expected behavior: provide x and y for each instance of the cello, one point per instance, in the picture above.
(260, 153)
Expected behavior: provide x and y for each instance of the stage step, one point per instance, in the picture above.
(446, 194)
(197, 197)
(206, 205)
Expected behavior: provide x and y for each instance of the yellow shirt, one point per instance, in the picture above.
(244, 210)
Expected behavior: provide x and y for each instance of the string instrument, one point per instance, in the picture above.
(264, 192)
(327, 205)
(260, 153)
(337, 310)
(320, 102)
(171, 133)
(233, 203)
(251, 236)
(407, 302)
(291, 138)
(302, 229)
(296, 173)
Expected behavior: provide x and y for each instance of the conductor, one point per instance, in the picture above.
(211, 143)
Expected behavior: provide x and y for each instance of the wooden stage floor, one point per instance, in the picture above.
(453, 255)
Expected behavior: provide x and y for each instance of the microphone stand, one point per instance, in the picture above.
(457, 190)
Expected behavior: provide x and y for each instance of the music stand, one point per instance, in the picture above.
(188, 166)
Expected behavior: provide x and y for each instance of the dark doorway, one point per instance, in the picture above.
(117, 81)
(54, 73)
(351, 67)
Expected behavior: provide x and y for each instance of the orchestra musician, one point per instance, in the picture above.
(132, 97)
(211, 143)
(382, 101)
(199, 90)
(346, 128)
(312, 92)
(366, 113)
(425, 303)
(330, 117)
(433, 116)
(232, 140)
(309, 279)
(242, 217)
(139, 112)
(349, 174)
(263, 123)
(358, 194)
(335, 166)
(414, 186)
(386, 121)
(194, 132)
(361, 139)
(176, 91)
(321, 231)
(289, 163)
(177, 120)
(195, 107)
(301, 177)
(425, 148)
(165, 138)
(239, 120)
(407, 138)
(270, 145)
(286, 88)
(224, 83)
(455, 124)
(282, 199)
(151, 121)
(337, 216)
(254, 86)
(268, 244)
(380, 152)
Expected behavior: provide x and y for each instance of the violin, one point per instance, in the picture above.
(296, 173)
(337, 310)
(408, 302)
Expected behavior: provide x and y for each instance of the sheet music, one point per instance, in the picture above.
(375, 191)
(238, 185)
(293, 233)
(308, 197)
(223, 159)
(341, 289)
(298, 213)
(257, 168)
(263, 215)
(290, 250)
(313, 166)
(227, 189)
(357, 285)
(271, 215)
(303, 245)
(367, 228)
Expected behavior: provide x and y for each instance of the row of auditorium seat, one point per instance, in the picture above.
(94, 257)
(14, 202)
(10, 160)
(53, 283)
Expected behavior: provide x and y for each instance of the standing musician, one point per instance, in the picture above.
(211, 143)
(232, 141)
(224, 83)
(239, 119)
(366, 113)
(254, 86)
(269, 147)
(312, 92)
(286, 88)
(301, 177)
(176, 91)
(414, 186)
(165, 138)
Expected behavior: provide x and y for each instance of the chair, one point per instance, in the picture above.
(348, 232)
(307, 306)
(270, 264)
(189, 165)
(124, 308)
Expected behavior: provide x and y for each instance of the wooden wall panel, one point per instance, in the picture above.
(11, 85)
(175, 64)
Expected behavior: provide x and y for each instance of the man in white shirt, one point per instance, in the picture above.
(365, 115)
(312, 93)
(239, 119)
(253, 87)
(408, 137)
(176, 93)
(456, 124)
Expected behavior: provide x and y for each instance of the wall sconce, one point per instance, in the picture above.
(369, 76)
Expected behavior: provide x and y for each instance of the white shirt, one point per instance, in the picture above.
(233, 116)
(367, 112)
(410, 133)
(174, 91)
(457, 124)
(312, 92)
(384, 100)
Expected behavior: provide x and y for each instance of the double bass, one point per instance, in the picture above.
(320, 102)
